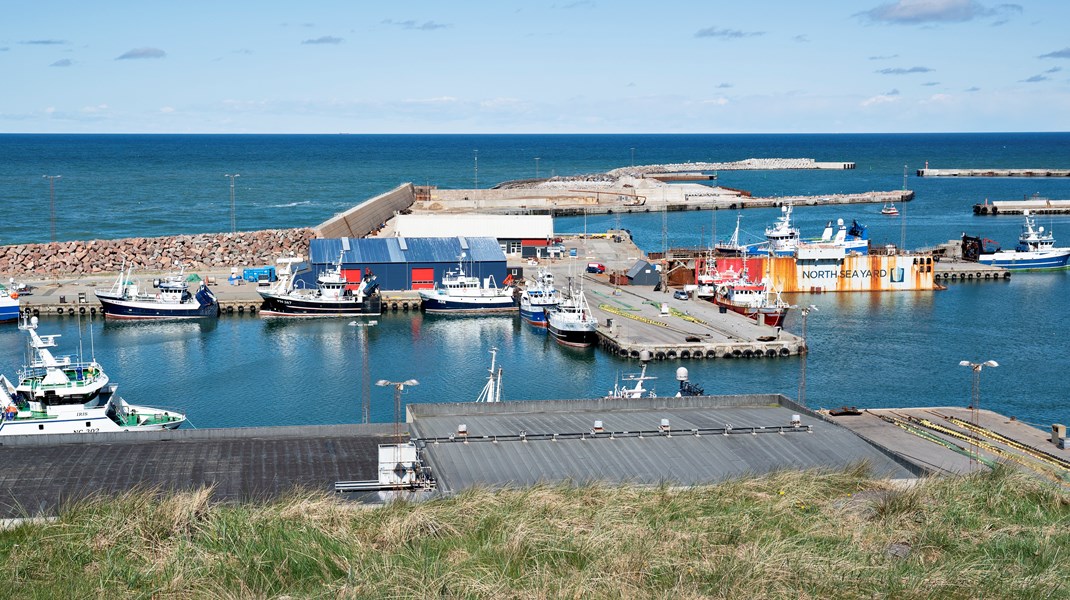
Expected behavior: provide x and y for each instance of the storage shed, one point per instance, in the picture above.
(406, 263)
(643, 273)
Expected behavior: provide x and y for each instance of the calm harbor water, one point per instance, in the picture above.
(866, 349)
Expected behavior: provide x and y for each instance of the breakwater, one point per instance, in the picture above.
(202, 251)
(749, 164)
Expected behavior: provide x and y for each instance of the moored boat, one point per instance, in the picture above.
(333, 296)
(752, 298)
(571, 322)
(9, 304)
(56, 395)
(460, 294)
(538, 297)
(1035, 250)
(171, 298)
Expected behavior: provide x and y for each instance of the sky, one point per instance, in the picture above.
(507, 66)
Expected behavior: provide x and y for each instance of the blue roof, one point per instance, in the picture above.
(400, 250)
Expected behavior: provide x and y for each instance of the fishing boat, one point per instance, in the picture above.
(638, 390)
(492, 390)
(752, 298)
(538, 297)
(333, 296)
(1035, 250)
(459, 293)
(890, 210)
(170, 298)
(782, 238)
(733, 247)
(9, 303)
(58, 394)
(571, 322)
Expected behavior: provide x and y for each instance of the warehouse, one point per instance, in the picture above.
(518, 235)
(402, 263)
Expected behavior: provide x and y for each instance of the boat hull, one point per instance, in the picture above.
(771, 316)
(441, 303)
(569, 335)
(535, 316)
(9, 308)
(124, 309)
(281, 305)
(1055, 259)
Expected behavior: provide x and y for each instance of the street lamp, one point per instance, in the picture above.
(398, 386)
(804, 351)
(975, 399)
(475, 168)
(52, 201)
(233, 223)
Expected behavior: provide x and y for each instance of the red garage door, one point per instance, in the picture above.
(423, 279)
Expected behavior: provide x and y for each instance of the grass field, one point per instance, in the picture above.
(999, 534)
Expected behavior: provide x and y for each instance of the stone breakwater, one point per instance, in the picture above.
(218, 251)
(739, 165)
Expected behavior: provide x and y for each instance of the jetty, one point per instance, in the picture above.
(983, 172)
(1035, 205)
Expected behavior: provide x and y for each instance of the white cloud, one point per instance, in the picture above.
(722, 101)
(879, 99)
(94, 109)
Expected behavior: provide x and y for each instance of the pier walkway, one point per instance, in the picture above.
(993, 172)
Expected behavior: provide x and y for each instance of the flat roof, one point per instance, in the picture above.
(710, 439)
(528, 227)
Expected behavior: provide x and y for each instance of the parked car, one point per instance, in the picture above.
(594, 267)
(680, 295)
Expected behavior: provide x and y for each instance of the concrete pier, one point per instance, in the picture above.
(963, 270)
(1035, 206)
(993, 172)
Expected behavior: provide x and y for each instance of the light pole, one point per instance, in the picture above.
(398, 386)
(475, 168)
(536, 167)
(233, 222)
(975, 398)
(804, 351)
(52, 202)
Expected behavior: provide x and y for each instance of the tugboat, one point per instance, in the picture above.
(459, 293)
(170, 300)
(58, 395)
(538, 298)
(334, 296)
(1035, 250)
(571, 322)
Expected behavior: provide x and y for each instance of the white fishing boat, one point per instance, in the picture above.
(333, 296)
(638, 390)
(538, 297)
(169, 298)
(571, 322)
(461, 293)
(9, 303)
(61, 395)
(890, 210)
(1035, 250)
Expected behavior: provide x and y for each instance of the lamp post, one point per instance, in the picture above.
(804, 351)
(475, 168)
(233, 222)
(398, 386)
(975, 397)
(52, 202)
(536, 167)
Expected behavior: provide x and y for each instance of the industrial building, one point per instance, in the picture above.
(518, 235)
(403, 263)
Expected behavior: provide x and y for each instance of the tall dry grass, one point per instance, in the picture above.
(788, 534)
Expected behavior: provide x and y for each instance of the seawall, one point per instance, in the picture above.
(200, 251)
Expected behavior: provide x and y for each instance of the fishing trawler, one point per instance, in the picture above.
(571, 322)
(1035, 250)
(460, 293)
(333, 296)
(170, 298)
(56, 395)
(539, 297)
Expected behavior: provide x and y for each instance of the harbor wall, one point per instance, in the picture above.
(369, 216)
(194, 252)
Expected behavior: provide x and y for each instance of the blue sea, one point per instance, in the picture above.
(867, 349)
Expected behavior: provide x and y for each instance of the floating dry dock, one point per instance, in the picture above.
(993, 172)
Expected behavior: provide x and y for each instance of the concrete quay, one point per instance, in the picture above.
(993, 172)
(1035, 206)
(964, 270)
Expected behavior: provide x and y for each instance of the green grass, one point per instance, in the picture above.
(999, 534)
